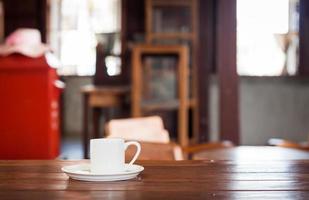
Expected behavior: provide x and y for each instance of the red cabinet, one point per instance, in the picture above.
(29, 108)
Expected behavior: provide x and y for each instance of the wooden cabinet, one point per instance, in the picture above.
(175, 22)
(172, 20)
(207, 50)
(149, 79)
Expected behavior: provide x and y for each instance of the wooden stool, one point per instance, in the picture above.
(96, 98)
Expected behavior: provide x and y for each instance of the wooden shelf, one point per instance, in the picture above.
(171, 3)
(165, 105)
(181, 103)
(170, 35)
(155, 35)
(160, 106)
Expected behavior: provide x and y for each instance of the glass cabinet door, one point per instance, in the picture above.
(159, 78)
(171, 19)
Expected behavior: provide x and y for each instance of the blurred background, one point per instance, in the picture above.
(246, 77)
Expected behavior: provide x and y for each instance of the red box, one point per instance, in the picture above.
(29, 108)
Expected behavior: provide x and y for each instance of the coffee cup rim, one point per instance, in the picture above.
(95, 139)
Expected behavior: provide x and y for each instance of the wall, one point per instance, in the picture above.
(269, 107)
(72, 104)
(274, 107)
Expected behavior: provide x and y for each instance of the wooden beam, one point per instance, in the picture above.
(227, 72)
(304, 38)
(205, 64)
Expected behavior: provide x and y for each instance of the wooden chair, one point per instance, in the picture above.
(155, 141)
(145, 129)
(288, 144)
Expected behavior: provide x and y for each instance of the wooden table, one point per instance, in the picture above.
(253, 153)
(285, 179)
(96, 98)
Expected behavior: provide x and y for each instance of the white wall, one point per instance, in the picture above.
(72, 116)
(274, 107)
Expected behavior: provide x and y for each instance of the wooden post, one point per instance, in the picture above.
(136, 82)
(183, 96)
(227, 72)
(85, 134)
(206, 52)
(304, 38)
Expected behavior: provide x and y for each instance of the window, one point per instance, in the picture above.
(74, 30)
(267, 37)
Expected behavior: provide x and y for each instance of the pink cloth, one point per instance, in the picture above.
(24, 41)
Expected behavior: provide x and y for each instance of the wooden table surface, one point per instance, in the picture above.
(250, 179)
(246, 153)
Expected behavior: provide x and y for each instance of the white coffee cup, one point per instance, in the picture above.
(107, 155)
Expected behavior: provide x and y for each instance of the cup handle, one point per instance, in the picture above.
(138, 150)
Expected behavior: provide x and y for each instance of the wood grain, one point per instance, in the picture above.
(153, 195)
(233, 179)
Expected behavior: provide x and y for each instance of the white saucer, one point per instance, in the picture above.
(82, 173)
